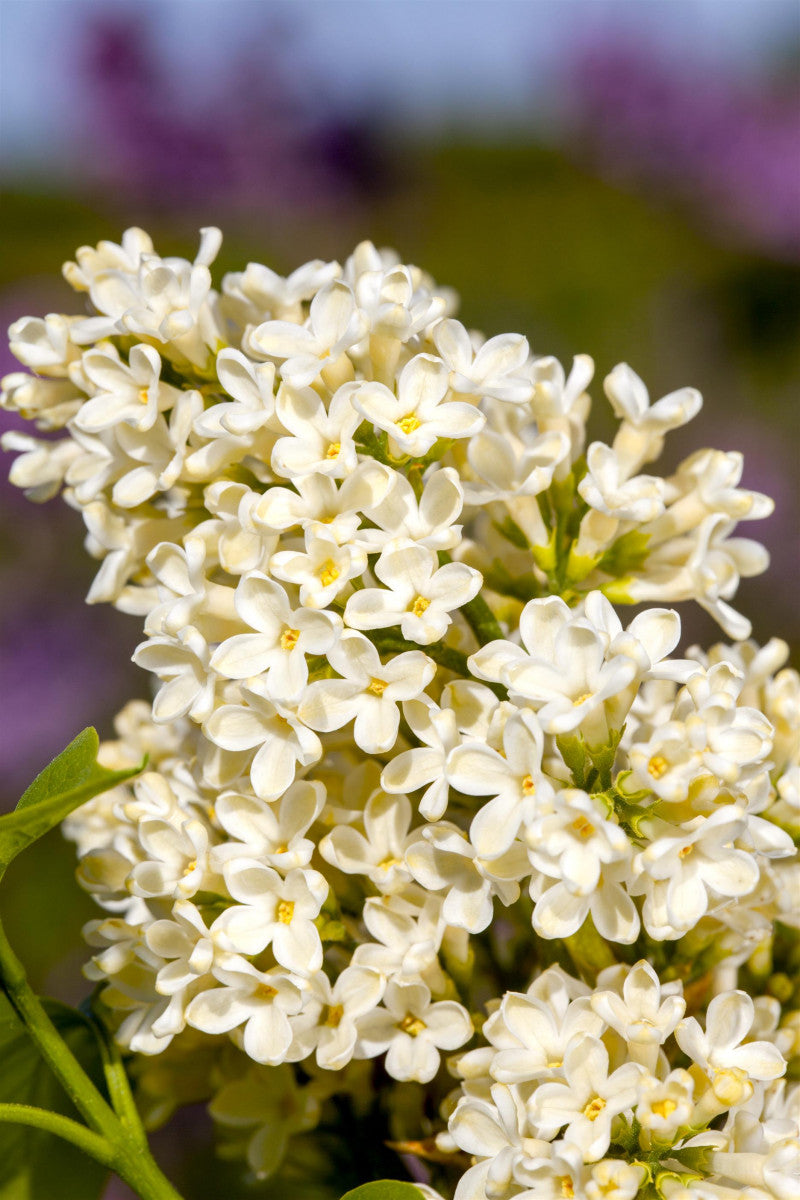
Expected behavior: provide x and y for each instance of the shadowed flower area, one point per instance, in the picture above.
(727, 148)
(259, 138)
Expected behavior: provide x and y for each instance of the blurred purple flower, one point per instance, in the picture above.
(728, 149)
(62, 665)
(261, 138)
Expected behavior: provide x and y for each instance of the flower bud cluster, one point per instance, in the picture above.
(399, 732)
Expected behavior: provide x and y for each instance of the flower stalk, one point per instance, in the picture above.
(115, 1135)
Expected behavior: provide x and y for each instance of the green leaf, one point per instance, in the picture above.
(66, 771)
(71, 779)
(35, 1164)
(384, 1189)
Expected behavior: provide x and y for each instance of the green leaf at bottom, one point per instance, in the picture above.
(384, 1189)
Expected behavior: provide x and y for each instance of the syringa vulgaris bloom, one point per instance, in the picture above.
(406, 753)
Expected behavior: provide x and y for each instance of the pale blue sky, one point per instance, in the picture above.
(425, 61)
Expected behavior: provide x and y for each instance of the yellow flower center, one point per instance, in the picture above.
(664, 1108)
(581, 699)
(332, 1015)
(594, 1108)
(377, 686)
(685, 851)
(144, 395)
(408, 424)
(411, 1025)
(567, 1187)
(528, 786)
(420, 605)
(190, 866)
(583, 827)
(328, 573)
(289, 639)
(333, 450)
(387, 863)
(264, 991)
(657, 766)
(285, 911)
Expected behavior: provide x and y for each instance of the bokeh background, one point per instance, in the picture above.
(620, 178)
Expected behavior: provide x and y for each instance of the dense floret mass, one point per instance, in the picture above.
(414, 786)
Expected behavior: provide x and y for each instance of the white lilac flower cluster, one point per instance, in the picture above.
(404, 756)
(594, 1066)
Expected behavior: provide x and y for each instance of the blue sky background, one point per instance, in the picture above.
(431, 63)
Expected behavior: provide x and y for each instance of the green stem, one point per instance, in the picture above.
(446, 656)
(119, 1088)
(137, 1167)
(117, 1143)
(54, 1050)
(482, 621)
(478, 615)
(90, 1143)
(392, 643)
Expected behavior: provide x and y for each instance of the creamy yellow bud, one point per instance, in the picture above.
(732, 1086)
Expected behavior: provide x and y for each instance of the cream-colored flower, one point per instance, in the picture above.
(368, 692)
(416, 416)
(419, 595)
